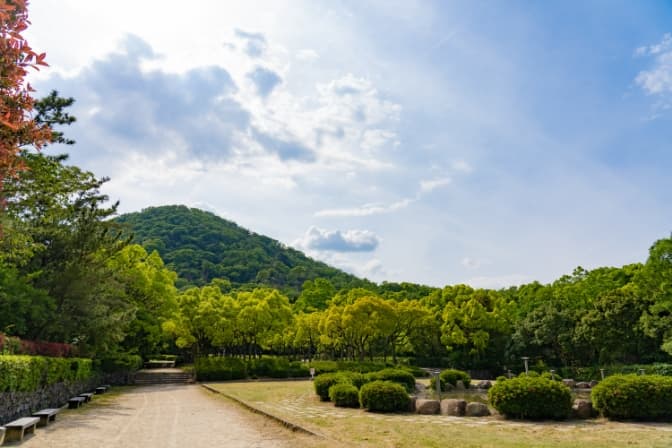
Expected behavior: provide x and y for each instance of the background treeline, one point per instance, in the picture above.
(70, 273)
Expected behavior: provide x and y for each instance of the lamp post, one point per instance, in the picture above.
(525, 359)
(602, 373)
(552, 374)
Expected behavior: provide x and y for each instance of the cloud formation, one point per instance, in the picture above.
(366, 210)
(265, 80)
(254, 43)
(338, 241)
(657, 80)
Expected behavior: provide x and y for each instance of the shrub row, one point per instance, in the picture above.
(593, 373)
(531, 397)
(220, 368)
(384, 396)
(22, 373)
(119, 362)
(645, 397)
(324, 382)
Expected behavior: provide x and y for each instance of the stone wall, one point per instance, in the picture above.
(14, 405)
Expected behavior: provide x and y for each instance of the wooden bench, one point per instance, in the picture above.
(2, 434)
(76, 402)
(18, 428)
(87, 396)
(46, 416)
(101, 390)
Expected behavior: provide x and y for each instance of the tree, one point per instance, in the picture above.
(17, 127)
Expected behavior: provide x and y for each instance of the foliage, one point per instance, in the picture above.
(644, 397)
(399, 376)
(451, 376)
(384, 396)
(531, 397)
(219, 368)
(22, 373)
(119, 362)
(344, 395)
(17, 127)
(323, 382)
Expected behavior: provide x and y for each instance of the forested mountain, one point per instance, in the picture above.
(201, 246)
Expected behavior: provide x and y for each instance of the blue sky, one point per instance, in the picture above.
(489, 143)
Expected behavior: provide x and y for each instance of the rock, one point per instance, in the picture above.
(485, 384)
(459, 385)
(452, 406)
(582, 409)
(568, 382)
(582, 385)
(594, 383)
(427, 407)
(411, 403)
(475, 409)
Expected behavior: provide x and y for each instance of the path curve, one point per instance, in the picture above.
(166, 416)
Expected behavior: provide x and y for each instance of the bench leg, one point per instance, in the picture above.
(14, 434)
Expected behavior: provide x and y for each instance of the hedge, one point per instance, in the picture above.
(531, 397)
(384, 396)
(633, 397)
(23, 373)
(119, 362)
(344, 395)
(399, 376)
(322, 383)
(451, 376)
(220, 368)
(593, 372)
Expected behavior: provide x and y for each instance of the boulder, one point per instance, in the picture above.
(427, 407)
(582, 385)
(452, 406)
(475, 409)
(569, 382)
(411, 403)
(582, 409)
(485, 384)
(459, 385)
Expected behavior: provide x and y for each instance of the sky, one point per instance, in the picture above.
(438, 142)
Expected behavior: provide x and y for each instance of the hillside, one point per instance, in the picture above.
(201, 246)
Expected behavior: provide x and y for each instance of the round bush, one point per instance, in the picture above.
(323, 382)
(451, 376)
(344, 395)
(532, 398)
(403, 377)
(384, 396)
(632, 397)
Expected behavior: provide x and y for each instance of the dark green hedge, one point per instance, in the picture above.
(344, 395)
(22, 373)
(384, 396)
(119, 362)
(593, 372)
(531, 397)
(633, 397)
(322, 383)
(399, 376)
(220, 368)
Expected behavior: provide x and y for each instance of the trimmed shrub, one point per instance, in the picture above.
(451, 376)
(645, 397)
(352, 366)
(399, 376)
(220, 368)
(531, 397)
(323, 382)
(119, 362)
(344, 395)
(23, 373)
(384, 396)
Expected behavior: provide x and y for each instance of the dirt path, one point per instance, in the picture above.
(162, 417)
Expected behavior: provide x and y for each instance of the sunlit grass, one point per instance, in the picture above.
(296, 402)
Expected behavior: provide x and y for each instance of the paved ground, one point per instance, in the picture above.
(165, 416)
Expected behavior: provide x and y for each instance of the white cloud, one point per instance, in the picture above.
(338, 241)
(461, 166)
(366, 210)
(657, 80)
(498, 281)
(427, 186)
(307, 54)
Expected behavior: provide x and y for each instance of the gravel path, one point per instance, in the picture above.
(167, 416)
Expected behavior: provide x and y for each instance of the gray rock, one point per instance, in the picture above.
(459, 385)
(411, 403)
(452, 406)
(582, 385)
(427, 407)
(475, 409)
(582, 409)
(485, 384)
(568, 382)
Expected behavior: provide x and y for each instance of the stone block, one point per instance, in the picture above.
(427, 407)
(475, 409)
(452, 406)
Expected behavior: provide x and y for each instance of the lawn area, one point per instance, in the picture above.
(296, 402)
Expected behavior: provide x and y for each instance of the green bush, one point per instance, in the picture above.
(23, 373)
(119, 362)
(352, 366)
(531, 397)
(399, 376)
(451, 376)
(344, 395)
(645, 397)
(219, 368)
(323, 382)
(384, 396)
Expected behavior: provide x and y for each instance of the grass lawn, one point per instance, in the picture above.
(296, 402)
